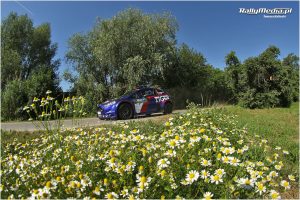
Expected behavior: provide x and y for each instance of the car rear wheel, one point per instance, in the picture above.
(168, 108)
(125, 111)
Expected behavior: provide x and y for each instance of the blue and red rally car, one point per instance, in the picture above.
(142, 101)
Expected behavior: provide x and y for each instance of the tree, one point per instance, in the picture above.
(191, 78)
(268, 81)
(233, 72)
(189, 68)
(27, 58)
(291, 64)
(130, 49)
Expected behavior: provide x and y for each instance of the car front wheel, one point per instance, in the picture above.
(125, 111)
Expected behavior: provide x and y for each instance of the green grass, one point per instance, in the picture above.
(280, 126)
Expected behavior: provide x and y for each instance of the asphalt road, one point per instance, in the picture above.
(68, 123)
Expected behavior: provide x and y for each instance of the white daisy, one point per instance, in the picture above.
(285, 184)
(163, 163)
(208, 195)
(216, 179)
(192, 176)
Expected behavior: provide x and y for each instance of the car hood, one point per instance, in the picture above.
(112, 100)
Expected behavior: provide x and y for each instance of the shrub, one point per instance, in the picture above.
(12, 100)
(252, 99)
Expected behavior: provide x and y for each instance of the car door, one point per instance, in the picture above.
(151, 101)
(139, 101)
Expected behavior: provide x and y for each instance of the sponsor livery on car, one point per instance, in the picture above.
(143, 101)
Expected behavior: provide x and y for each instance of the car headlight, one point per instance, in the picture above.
(110, 103)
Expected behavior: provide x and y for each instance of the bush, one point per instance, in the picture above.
(252, 99)
(13, 99)
(264, 81)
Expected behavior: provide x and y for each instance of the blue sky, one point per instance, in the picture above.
(212, 28)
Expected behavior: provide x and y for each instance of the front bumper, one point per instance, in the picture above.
(106, 114)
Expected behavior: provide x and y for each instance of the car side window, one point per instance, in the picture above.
(159, 91)
(138, 95)
(149, 92)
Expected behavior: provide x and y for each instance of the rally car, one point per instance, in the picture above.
(142, 101)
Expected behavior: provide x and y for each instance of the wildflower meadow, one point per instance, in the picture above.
(199, 154)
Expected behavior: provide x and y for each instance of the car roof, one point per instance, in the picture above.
(142, 88)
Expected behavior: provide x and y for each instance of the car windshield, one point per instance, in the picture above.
(129, 93)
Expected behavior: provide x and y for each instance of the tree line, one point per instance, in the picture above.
(130, 49)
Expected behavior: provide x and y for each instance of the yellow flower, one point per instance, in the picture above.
(141, 168)
(143, 179)
(260, 188)
(150, 159)
(292, 178)
(109, 196)
(105, 181)
(208, 195)
(73, 158)
(285, 184)
(48, 184)
(274, 194)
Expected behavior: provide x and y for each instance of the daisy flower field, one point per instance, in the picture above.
(201, 154)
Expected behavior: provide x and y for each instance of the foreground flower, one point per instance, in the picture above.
(208, 195)
(143, 182)
(274, 195)
(246, 183)
(285, 184)
(216, 179)
(292, 178)
(205, 174)
(260, 188)
(205, 162)
(111, 195)
(192, 176)
(220, 172)
(163, 163)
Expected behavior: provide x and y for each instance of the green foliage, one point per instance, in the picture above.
(233, 74)
(291, 64)
(263, 81)
(12, 99)
(189, 69)
(136, 66)
(252, 99)
(27, 60)
(130, 49)
(191, 78)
